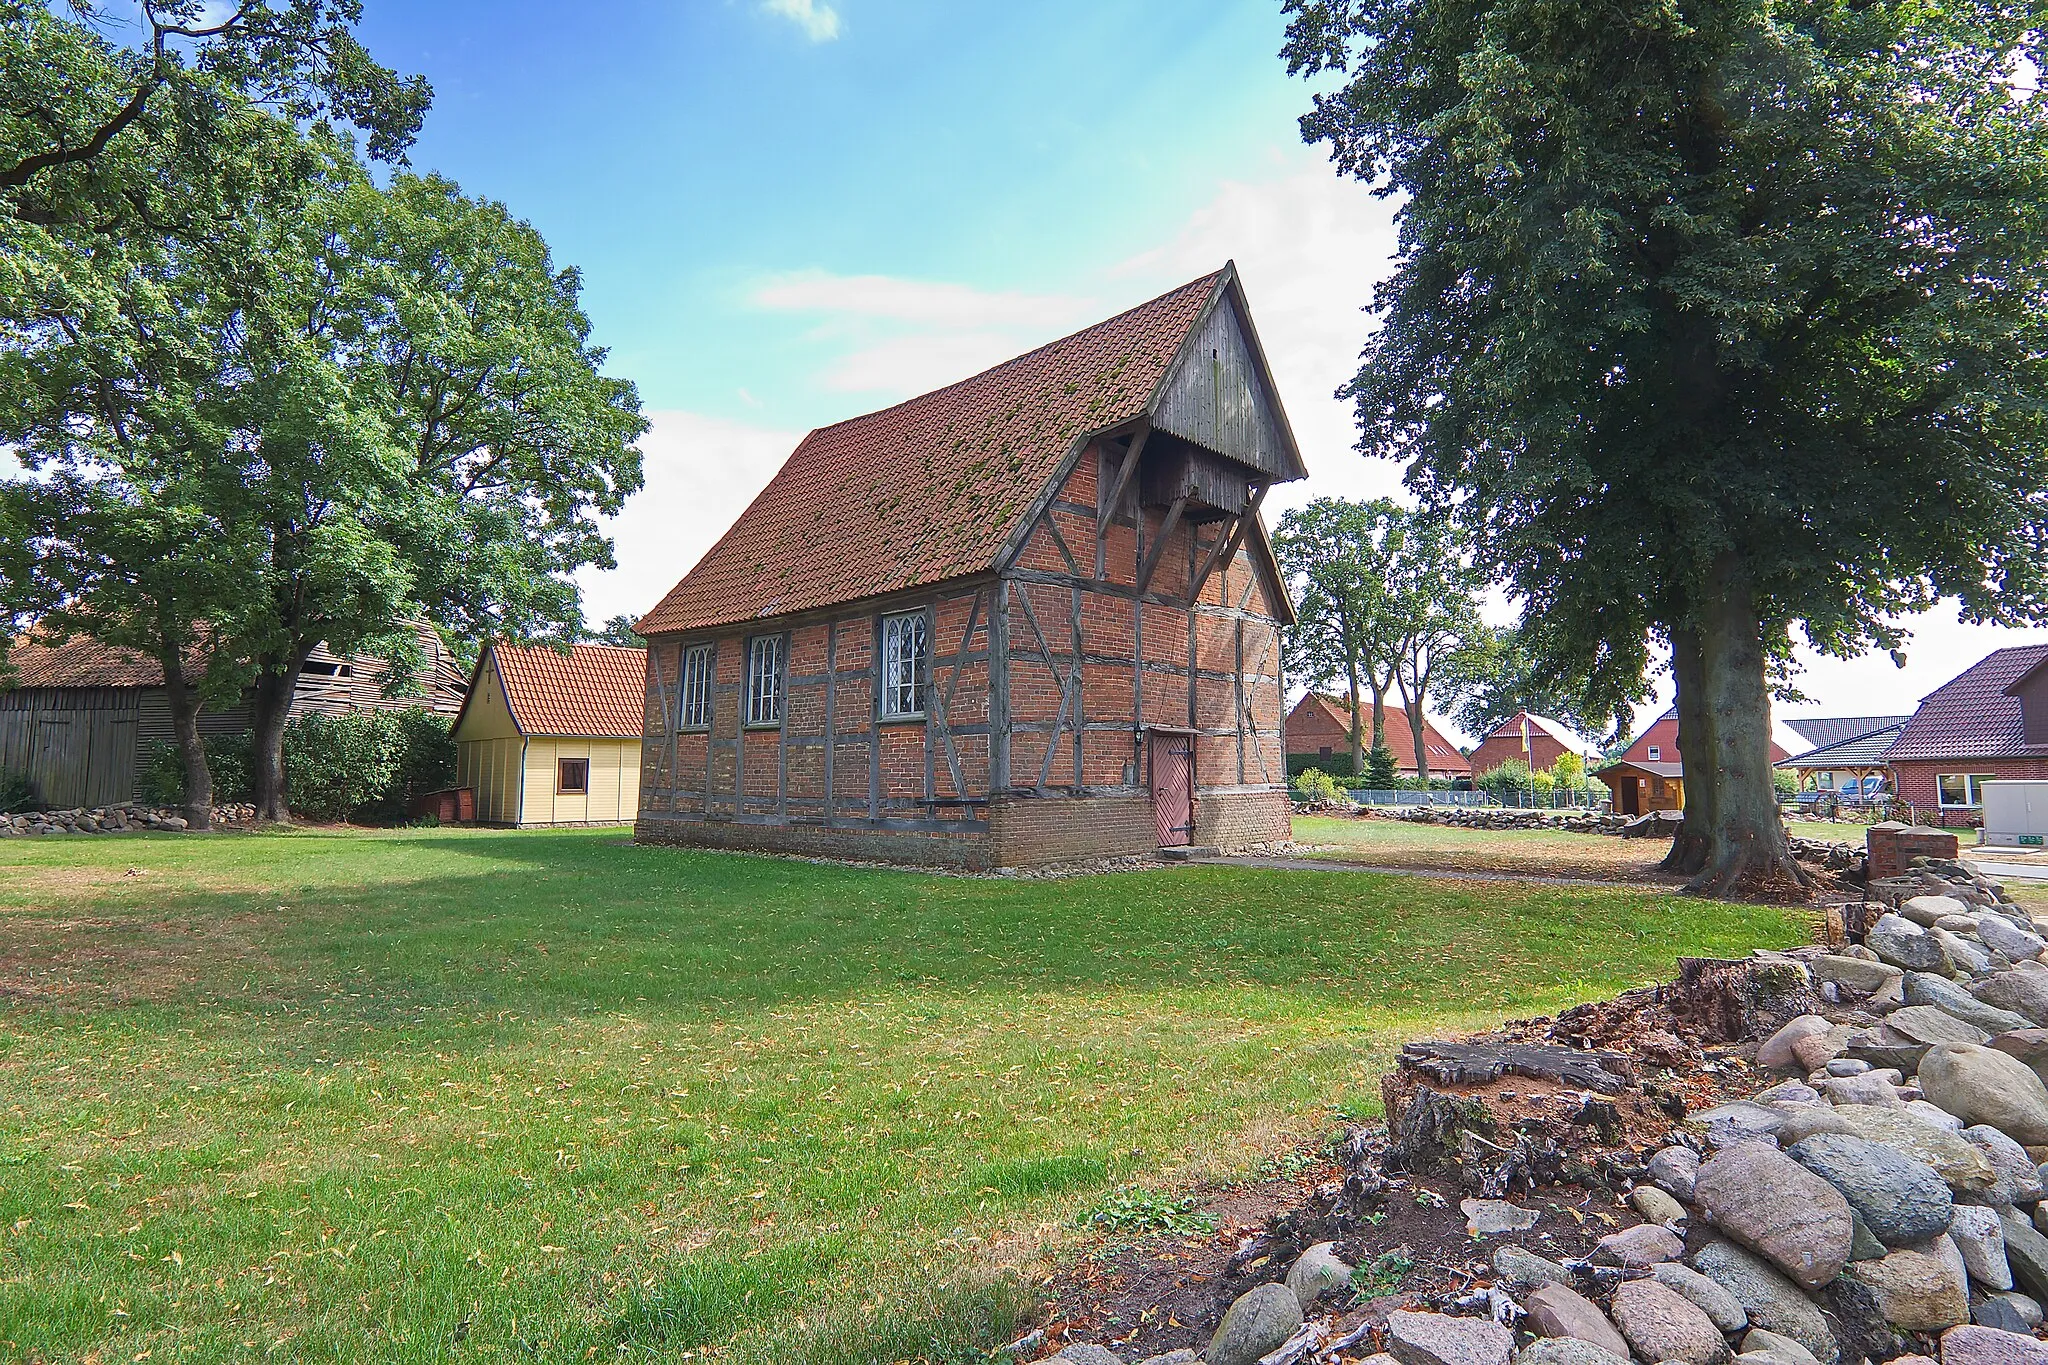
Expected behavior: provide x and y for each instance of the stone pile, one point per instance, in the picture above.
(1490, 817)
(123, 819)
(1882, 1199)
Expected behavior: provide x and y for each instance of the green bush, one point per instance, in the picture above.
(1336, 765)
(17, 793)
(162, 780)
(365, 765)
(1787, 783)
(1318, 788)
(1381, 771)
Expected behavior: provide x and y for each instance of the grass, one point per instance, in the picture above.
(421, 1095)
(1536, 852)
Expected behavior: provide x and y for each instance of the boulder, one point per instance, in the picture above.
(1673, 1170)
(1901, 1201)
(1490, 1217)
(1857, 1323)
(1971, 957)
(1871, 1087)
(1998, 1311)
(1522, 1270)
(1770, 1203)
(1759, 1342)
(1984, 1085)
(2026, 1252)
(1989, 1346)
(1916, 1290)
(1909, 947)
(1934, 1114)
(1926, 910)
(1642, 1245)
(2021, 992)
(1717, 1303)
(1926, 1024)
(1980, 1236)
(1433, 1339)
(1925, 988)
(1771, 1301)
(1860, 975)
(2018, 1179)
(1316, 1272)
(1775, 1052)
(1964, 1167)
(2028, 1311)
(1655, 1205)
(1261, 1319)
(2001, 933)
(1557, 1310)
(1563, 1351)
(1664, 1325)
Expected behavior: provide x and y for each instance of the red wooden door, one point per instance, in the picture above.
(1173, 788)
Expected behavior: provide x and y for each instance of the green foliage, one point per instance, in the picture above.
(161, 782)
(1382, 768)
(1318, 788)
(1785, 782)
(1131, 1209)
(1337, 765)
(365, 764)
(1511, 776)
(1497, 674)
(17, 793)
(1381, 1275)
(1569, 770)
(1712, 330)
(617, 631)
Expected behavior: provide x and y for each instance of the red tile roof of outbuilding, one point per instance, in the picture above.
(591, 692)
(1973, 715)
(932, 488)
(82, 661)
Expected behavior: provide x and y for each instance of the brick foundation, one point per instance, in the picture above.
(1894, 846)
(966, 849)
(1030, 830)
(1233, 820)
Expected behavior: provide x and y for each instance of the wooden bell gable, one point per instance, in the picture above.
(1219, 395)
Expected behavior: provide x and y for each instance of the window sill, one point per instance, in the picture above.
(762, 725)
(918, 718)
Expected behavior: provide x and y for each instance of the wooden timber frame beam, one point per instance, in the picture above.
(1152, 556)
(1105, 511)
(1226, 547)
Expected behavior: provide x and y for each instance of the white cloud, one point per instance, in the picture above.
(701, 474)
(818, 20)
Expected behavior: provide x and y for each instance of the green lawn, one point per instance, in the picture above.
(1542, 852)
(430, 1094)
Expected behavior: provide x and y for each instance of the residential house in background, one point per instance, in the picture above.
(1030, 616)
(1649, 775)
(1319, 736)
(81, 717)
(1537, 740)
(552, 737)
(1849, 757)
(1990, 721)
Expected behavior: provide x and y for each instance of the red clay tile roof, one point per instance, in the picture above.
(1444, 758)
(592, 692)
(932, 488)
(1971, 715)
(82, 662)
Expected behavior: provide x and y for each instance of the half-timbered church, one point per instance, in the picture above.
(1030, 617)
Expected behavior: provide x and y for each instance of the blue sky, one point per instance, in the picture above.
(788, 212)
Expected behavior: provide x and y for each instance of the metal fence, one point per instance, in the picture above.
(1513, 800)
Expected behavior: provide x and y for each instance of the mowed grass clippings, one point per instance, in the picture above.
(419, 1095)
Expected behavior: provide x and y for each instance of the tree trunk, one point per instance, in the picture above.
(1747, 850)
(183, 699)
(269, 708)
(1351, 671)
(1413, 706)
(1695, 730)
(1379, 714)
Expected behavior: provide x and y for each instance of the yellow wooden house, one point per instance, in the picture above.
(552, 737)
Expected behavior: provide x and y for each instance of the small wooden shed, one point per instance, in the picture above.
(549, 736)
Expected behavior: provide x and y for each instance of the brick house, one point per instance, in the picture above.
(1991, 721)
(1536, 739)
(1319, 731)
(1028, 617)
(1650, 775)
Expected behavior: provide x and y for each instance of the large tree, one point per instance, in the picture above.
(1338, 558)
(1432, 616)
(1498, 674)
(385, 401)
(1713, 324)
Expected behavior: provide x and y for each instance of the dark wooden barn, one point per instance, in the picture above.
(1030, 617)
(79, 717)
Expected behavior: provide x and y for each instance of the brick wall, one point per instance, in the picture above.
(1027, 830)
(968, 850)
(1498, 749)
(1919, 784)
(1229, 820)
